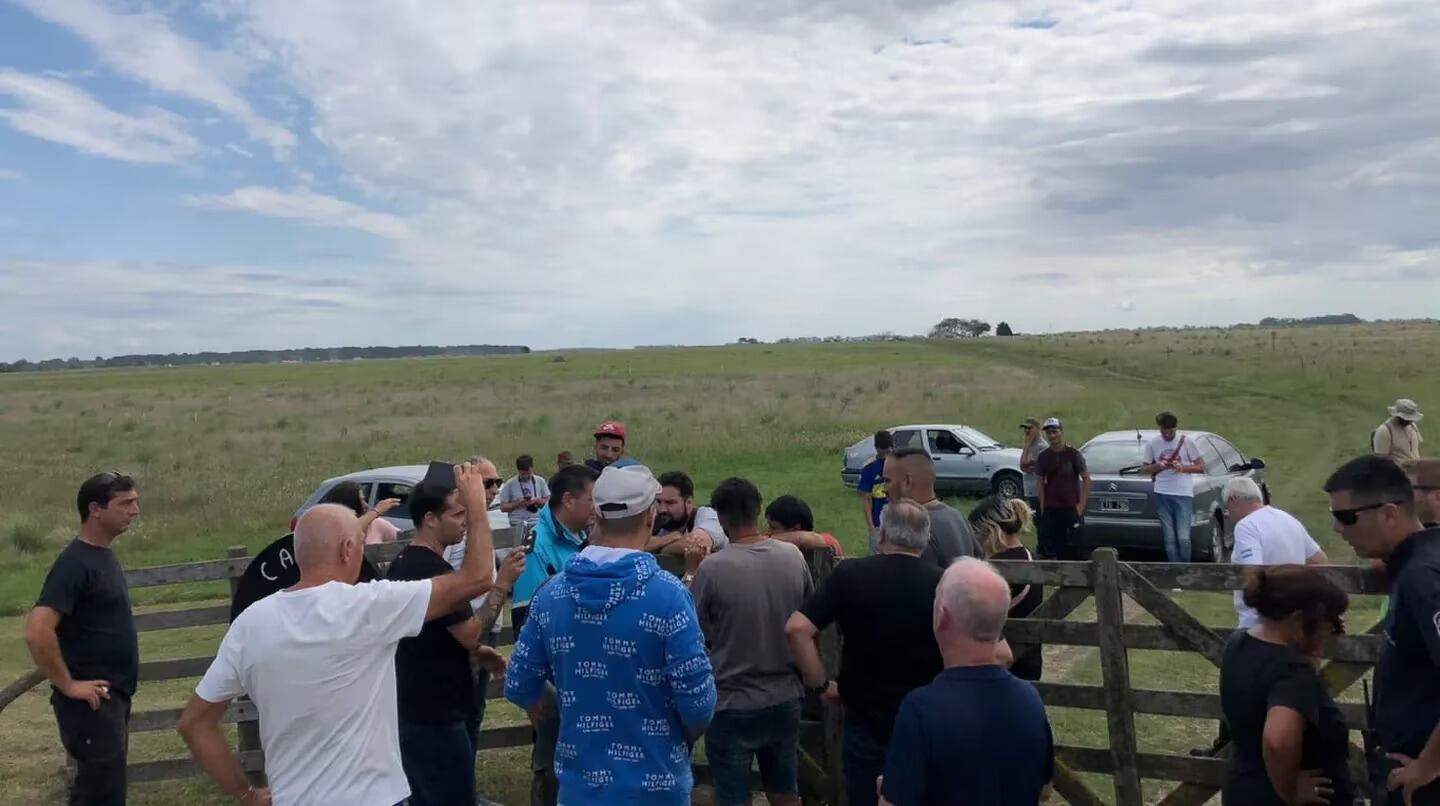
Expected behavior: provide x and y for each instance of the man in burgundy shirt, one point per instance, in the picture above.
(1063, 485)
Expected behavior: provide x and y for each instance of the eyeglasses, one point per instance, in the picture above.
(491, 484)
(1349, 517)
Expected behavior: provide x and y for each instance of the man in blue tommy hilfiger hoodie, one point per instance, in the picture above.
(620, 640)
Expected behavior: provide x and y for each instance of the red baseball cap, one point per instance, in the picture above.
(611, 429)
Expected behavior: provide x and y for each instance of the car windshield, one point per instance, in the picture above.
(1114, 457)
(980, 440)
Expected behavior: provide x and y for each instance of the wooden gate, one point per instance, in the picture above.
(1110, 581)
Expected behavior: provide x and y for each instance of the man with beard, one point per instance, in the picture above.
(610, 441)
(680, 523)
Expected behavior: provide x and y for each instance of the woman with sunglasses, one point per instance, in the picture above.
(1289, 740)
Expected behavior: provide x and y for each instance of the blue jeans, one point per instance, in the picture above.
(439, 761)
(864, 760)
(771, 735)
(1176, 512)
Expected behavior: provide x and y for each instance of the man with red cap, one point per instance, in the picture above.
(610, 440)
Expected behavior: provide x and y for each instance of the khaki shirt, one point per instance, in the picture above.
(1400, 443)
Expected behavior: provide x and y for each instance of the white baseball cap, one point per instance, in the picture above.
(1053, 422)
(623, 492)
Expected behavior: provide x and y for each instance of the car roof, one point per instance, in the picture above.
(952, 426)
(1142, 434)
(410, 473)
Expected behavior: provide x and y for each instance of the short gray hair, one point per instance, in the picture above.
(1242, 489)
(905, 524)
(976, 597)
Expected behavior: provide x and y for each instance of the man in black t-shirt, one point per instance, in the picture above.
(1373, 504)
(882, 605)
(435, 687)
(82, 636)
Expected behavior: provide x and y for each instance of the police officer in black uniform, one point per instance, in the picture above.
(1373, 504)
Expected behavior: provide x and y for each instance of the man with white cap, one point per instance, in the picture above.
(621, 643)
(1398, 438)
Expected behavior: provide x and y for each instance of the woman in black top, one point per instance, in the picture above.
(996, 523)
(1288, 740)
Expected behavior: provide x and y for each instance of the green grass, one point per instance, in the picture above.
(225, 454)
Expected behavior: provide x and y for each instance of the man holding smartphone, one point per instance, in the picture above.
(522, 497)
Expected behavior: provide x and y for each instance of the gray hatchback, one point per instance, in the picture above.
(1122, 507)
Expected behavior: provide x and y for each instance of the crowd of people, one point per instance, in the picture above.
(375, 693)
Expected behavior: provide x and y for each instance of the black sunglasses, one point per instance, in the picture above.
(1349, 517)
(493, 483)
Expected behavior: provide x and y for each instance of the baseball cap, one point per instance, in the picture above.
(1029, 422)
(623, 492)
(611, 428)
(1053, 422)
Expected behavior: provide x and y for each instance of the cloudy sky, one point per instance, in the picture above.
(225, 174)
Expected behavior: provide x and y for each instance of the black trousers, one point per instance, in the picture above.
(1058, 534)
(99, 741)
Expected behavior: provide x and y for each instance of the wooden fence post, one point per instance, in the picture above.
(1115, 666)
(247, 732)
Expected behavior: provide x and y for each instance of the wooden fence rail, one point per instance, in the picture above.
(1103, 578)
(1109, 582)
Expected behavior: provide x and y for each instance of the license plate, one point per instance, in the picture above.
(1115, 505)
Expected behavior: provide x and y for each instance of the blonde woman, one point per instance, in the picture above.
(997, 523)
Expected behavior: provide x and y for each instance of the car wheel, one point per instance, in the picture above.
(1213, 549)
(1008, 485)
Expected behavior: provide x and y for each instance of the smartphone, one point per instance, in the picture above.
(528, 546)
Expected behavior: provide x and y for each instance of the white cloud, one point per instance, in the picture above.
(726, 167)
(54, 110)
(142, 45)
(305, 206)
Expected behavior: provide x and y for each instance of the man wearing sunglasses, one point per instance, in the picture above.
(1032, 445)
(1425, 478)
(1373, 504)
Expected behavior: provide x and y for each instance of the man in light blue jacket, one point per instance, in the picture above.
(620, 641)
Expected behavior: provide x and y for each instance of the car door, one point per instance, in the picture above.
(957, 466)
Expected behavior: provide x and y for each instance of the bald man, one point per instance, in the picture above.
(910, 473)
(318, 659)
(978, 734)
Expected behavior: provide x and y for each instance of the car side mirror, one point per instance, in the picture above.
(1257, 464)
(966, 450)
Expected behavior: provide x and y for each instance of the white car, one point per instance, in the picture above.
(381, 483)
(966, 460)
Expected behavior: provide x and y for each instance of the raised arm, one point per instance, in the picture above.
(477, 570)
(471, 632)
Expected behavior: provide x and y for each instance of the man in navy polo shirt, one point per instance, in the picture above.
(978, 734)
(1373, 504)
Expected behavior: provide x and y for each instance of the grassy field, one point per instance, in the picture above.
(224, 455)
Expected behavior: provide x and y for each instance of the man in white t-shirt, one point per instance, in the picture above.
(1171, 459)
(318, 659)
(1264, 535)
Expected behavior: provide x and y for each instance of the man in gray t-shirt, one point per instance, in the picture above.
(1034, 445)
(910, 473)
(950, 536)
(743, 597)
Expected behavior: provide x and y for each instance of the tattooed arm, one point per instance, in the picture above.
(471, 632)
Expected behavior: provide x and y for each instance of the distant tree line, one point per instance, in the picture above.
(303, 354)
(1328, 319)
